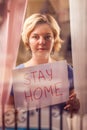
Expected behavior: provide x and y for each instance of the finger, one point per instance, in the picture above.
(72, 96)
(67, 106)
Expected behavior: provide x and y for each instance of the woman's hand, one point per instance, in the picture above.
(73, 104)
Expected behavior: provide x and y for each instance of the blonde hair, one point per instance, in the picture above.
(37, 18)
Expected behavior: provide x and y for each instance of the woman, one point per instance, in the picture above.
(41, 36)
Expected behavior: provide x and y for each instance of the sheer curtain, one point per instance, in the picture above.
(78, 23)
(10, 32)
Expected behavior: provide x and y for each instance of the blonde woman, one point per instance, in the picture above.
(41, 37)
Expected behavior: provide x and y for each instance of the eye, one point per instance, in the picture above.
(35, 37)
(48, 37)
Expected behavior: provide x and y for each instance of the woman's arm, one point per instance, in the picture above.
(73, 104)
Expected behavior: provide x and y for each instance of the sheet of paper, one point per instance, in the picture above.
(41, 86)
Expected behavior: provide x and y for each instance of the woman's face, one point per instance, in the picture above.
(41, 40)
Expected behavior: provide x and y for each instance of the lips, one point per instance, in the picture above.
(42, 49)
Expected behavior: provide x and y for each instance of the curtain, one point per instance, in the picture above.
(78, 24)
(10, 33)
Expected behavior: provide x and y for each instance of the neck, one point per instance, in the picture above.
(36, 60)
(33, 61)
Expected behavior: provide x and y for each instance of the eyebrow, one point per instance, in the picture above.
(40, 34)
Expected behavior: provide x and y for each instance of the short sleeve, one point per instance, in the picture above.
(70, 77)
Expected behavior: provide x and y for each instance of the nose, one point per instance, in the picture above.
(42, 40)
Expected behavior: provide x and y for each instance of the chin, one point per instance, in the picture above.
(43, 53)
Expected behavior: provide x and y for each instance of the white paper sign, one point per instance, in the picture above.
(41, 86)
